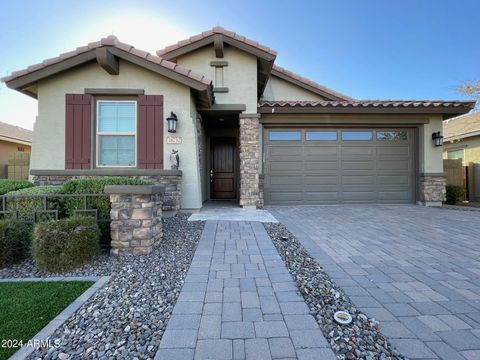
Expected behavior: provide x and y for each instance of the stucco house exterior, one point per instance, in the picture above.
(247, 129)
(462, 138)
(13, 139)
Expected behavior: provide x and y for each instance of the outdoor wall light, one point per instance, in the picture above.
(172, 123)
(437, 139)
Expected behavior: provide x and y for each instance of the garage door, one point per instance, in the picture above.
(328, 166)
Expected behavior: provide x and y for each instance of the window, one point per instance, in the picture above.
(392, 135)
(455, 154)
(321, 135)
(356, 135)
(116, 133)
(21, 149)
(285, 135)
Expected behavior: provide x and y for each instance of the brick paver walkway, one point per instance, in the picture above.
(240, 302)
(415, 269)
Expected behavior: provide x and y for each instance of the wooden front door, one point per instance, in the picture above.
(223, 176)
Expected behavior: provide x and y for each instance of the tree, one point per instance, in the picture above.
(470, 88)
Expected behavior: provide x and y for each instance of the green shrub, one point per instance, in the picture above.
(455, 193)
(12, 185)
(96, 185)
(14, 241)
(26, 201)
(65, 244)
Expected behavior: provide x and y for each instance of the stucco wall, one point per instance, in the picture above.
(279, 89)
(470, 145)
(431, 158)
(6, 148)
(48, 150)
(240, 76)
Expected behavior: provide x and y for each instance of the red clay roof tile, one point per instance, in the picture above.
(370, 103)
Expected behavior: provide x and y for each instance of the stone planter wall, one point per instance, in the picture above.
(249, 158)
(136, 214)
(171, 179)
(432, 189)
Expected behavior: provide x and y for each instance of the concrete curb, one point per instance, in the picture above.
(58, 321)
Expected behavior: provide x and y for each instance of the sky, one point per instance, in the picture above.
(366, 49)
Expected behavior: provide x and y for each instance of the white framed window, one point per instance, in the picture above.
(456, 154)
(116, 135)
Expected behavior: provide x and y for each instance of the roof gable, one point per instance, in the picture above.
(103, 51)
(220, 37)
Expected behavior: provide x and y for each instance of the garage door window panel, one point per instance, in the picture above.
(357, 135)
(321, 136)
(285, 136)
(392, 135)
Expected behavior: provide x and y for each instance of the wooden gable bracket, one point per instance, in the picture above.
(218, 45)
(107, 60)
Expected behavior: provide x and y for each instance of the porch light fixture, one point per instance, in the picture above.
(172, 123)
(437, 139)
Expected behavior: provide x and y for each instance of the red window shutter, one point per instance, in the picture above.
(78, 124)
(150, 132)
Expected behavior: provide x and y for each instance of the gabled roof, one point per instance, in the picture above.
(307, 84)
(218, 36)
(15, 134)
(21, 80)
(446, 108)
(461, 127)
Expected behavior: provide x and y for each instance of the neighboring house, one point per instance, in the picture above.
(462, 138)
(13, 139)
(247, 129)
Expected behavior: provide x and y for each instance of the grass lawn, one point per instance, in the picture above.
(26, 307)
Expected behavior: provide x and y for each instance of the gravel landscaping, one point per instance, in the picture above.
(362, 338)
(126, 318)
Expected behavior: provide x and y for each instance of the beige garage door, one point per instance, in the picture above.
(328, 166)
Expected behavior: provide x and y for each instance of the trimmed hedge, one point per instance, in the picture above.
(15, 238)
(455, 193)
(23, 201)
(96, 185)
(12, 185)
(65, 244)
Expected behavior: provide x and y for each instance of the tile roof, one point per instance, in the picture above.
(15, 132)
(371, 104)
(114, 42)
(215, 30)
(462, 126)
(308, 82)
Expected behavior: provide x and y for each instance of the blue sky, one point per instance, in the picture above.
(368, 49)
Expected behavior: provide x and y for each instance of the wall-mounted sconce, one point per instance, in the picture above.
(437, 139)
(172, 123)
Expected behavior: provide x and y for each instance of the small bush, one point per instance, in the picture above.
(12, 185)
(26, 203)
(14, 241)
(96, 185)
(455, 193)
(65, 244)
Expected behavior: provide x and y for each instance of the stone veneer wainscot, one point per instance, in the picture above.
(249, 161)
(432, 189)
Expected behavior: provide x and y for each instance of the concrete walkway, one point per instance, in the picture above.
(240, 302)
(415, 269)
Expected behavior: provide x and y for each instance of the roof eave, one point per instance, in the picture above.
(446, 112)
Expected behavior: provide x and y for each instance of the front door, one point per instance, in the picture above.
(222, 168)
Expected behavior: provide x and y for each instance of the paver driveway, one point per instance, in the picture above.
(415, 269)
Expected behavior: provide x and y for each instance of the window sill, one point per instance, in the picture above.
(220, 89)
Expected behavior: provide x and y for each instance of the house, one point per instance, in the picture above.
(462, 138)
(247, 129)
(13, 139)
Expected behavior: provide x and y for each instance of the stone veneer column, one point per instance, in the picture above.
(136, 214)
(249, 158)
(432, 189)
